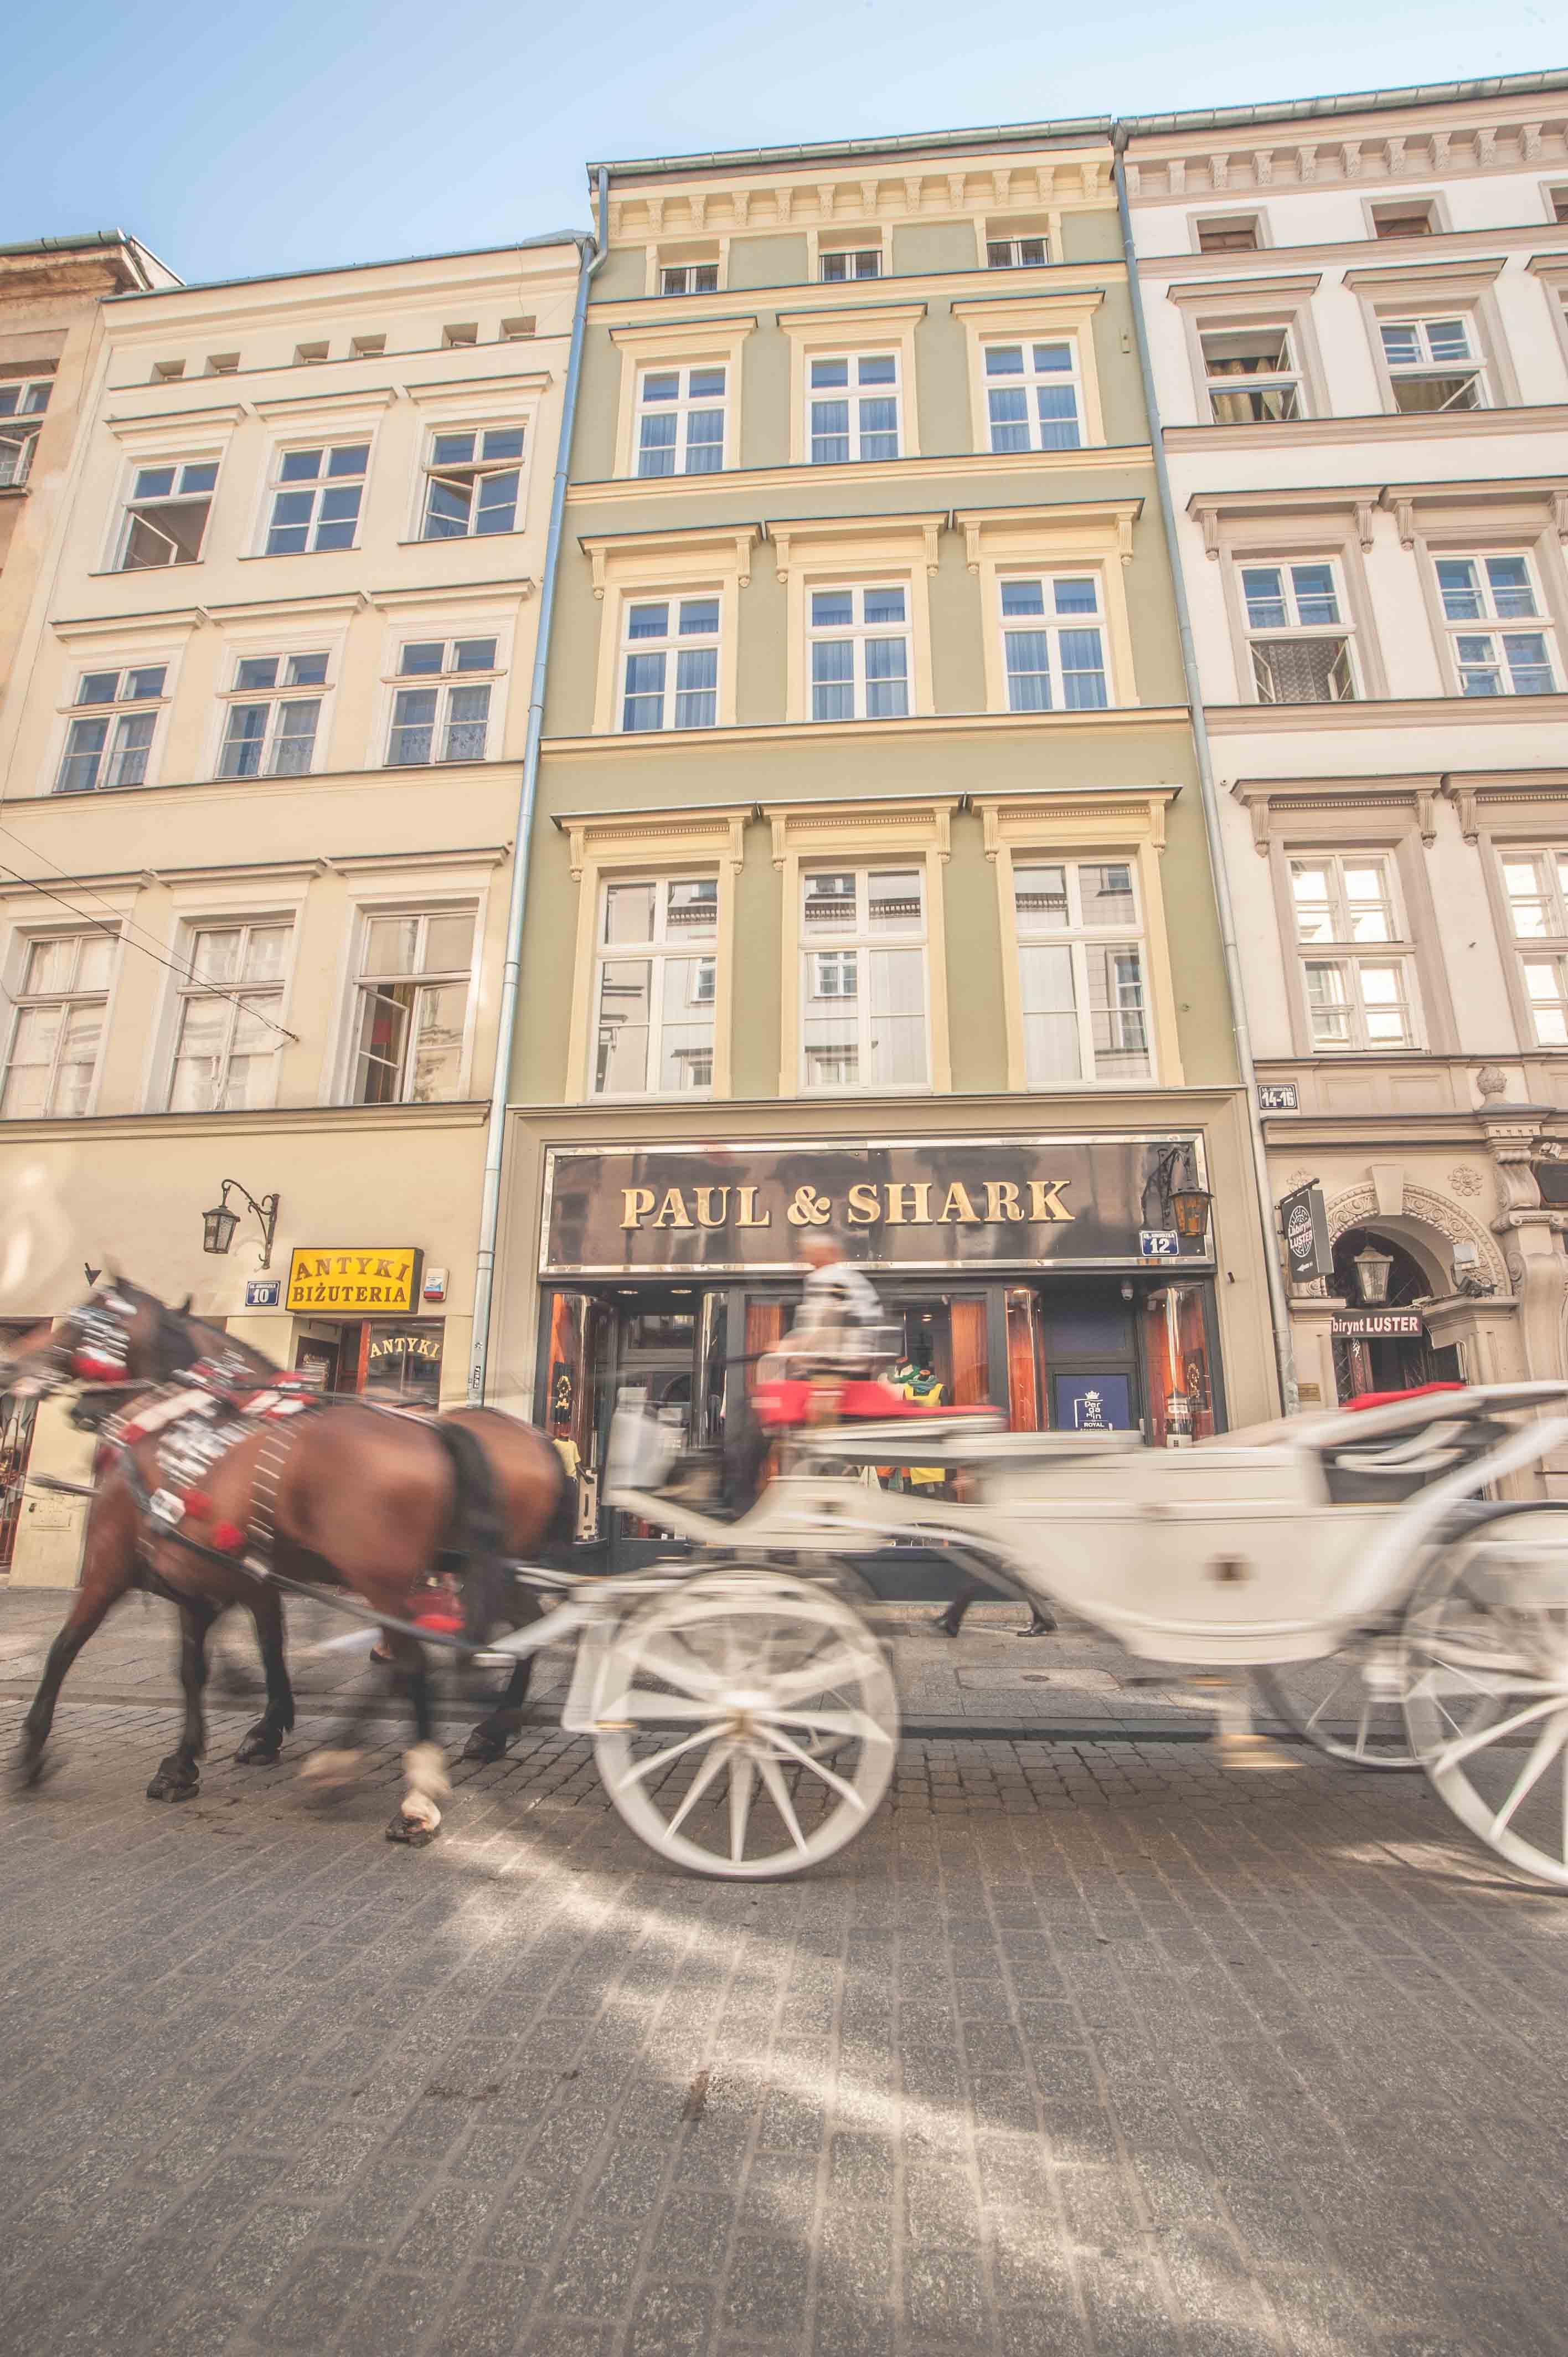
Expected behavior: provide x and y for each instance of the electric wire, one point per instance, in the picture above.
(117, 930)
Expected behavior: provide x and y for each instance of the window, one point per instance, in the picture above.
(1432, 364)
(269, 732)
(24, 396)
(448, 720)
(1251, 374)
(681, 420)
(412, 1008)
(316, 499)
(1080, 970)
(20, 398)
(852, 409)
(1499, 661)
(167, 372)
(1032, 396)
(1405, 217)
(472, 482)
(222, 363)
(518, 330)
(367, 347)
(689, 278)
(109, 745)
(166, 516)
(310, 355)
(1053, 642)
(1557, 203)
(1017, 253)
(669, 663)
(860, 653)
(838, 263)
(460, 337)
(225, 1052)
(57, 1025)
(1360, 997)
(654, 987)
(1535, 886)
(863, 954)
(1300, 647)
(1230, 233)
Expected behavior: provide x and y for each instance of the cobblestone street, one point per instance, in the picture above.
(1085, 2046)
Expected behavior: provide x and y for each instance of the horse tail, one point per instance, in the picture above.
(476, 1534)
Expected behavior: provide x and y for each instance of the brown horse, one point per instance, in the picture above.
(353, 1496)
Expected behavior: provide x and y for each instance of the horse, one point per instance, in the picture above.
(345, 1494)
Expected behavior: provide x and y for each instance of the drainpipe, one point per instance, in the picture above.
(589, 256)
(1279, 1308)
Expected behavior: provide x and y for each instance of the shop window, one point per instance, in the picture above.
(862, 979)
(1362, 996)
(402, 1366)
(1176, 1359)
(655, 983)
(1081, 972)
(412, 1008)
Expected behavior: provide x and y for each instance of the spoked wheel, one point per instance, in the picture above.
(747, 1724)
(1486, 1693)
(1351, 1705)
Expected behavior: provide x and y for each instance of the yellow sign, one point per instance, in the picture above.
(329, 1281)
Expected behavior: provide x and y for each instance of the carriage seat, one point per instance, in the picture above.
(1395, 1466)
(784, 1404)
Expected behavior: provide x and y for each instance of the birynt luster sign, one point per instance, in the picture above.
(1304, 1224)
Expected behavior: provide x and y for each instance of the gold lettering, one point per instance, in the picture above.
(919, 1190)
(958, 1206)
(706, 1216)
(746, 1215)
(636, 1204)
(673, 1212)
(1045, 1199)
(1002, 1199)
(864, 1207)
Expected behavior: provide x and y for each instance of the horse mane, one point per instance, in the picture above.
(209, 1341)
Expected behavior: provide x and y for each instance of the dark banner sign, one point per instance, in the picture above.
(1304, 1224)
(1370, 1325)
(1010, 1202)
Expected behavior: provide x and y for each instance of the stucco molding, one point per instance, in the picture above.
(617, 838)
(1532, 798)
(680, 548)
(1276, 805)
(1546, 494)
(1106, 521)
(856, 534)
(1211, 510)
(686, 745)
(617, 490)
(1374, 426)
(1101, 814)
(1388, 712)
(1508, 135)
(1437, 1213)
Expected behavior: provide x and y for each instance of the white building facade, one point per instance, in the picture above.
(1355, 311)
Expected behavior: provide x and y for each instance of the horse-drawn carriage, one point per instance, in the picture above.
(1396, 1607)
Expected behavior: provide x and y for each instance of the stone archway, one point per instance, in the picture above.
(1424, 1220)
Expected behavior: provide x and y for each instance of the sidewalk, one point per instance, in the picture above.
(989, 1680)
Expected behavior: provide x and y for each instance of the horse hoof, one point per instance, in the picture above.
(484, 1747)
(29, 1768)
(260, 1748)
(412, 1830)
(176, 1779)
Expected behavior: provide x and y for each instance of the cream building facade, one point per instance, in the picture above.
(262, 763)
(1355, 311)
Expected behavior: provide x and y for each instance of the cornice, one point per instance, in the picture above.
(1447, 247)
(1268, 800)
(925, 527)
(619, 489)
(739, 199)
(276, 1121)
(1475, 791)
(741, 538)
(1275, 287)
(1390, 711)
(682, 744)
(1051, 279)
(1378, 426)
(405, 778)
(1469, 137)
(1111, 518)
(1210, 509)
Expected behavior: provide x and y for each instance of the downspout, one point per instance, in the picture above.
(590, 253)
(1279, 1307)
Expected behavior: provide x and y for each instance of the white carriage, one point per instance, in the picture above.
(1399, 1608)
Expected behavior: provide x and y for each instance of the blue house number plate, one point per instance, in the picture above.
(1157, 1243)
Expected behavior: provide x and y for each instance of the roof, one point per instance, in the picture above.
(387, 262)
(903, 142)
(1360, 102)
(140, 259)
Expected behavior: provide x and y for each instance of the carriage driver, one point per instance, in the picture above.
(839, 1326)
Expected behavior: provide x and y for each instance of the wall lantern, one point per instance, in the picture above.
(218, 1225)
(1184, 1207)
(1372, 1268)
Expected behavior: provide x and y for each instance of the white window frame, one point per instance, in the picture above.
(853, 396)
(1029, 380)
(682, 409)
(123, 706)
(1223, 226)
(1010, 249)
(423, 906)
(1217, 385)
(671, 646)
(660, 949)
(191, 984)
(1493, 627)
(1421, 324)
(862, 943)
(25, 407)
(443, 683)
(831, 252)
(18, 1001)
(318, 486)
(1349, 955)
(1548, 948)
(276, 698)
(180, 466)
(477, 469)
(856, 633)
(1051, 625)
(1078, 937)
(1259, 635)
(680, 277)
(19, 427)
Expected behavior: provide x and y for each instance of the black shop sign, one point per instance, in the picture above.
(972, 1203)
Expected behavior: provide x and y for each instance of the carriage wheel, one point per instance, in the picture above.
(1351, 1705)
(747, 1724)
(1487, 1697)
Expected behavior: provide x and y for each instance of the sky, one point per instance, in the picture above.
(234, 142)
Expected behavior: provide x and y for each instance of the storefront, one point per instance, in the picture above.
(358, 1330)
(1039, 1273)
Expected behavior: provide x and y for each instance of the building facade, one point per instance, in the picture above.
(868, 874)
(262, 772)
(1356, 318)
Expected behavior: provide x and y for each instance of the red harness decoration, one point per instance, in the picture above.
(1387, 1399)
(780, 1405)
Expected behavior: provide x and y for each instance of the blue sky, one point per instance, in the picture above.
(329, 131)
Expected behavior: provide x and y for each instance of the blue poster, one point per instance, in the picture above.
(1092, 1404)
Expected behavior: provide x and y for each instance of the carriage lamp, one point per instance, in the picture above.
(1186, 1206)
(1372, 1268)
(218, 1225)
